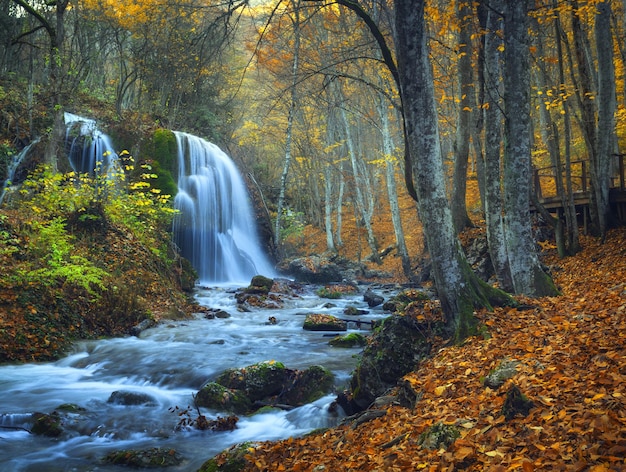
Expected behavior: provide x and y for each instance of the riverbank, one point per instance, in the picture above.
(118, 282)
(569, 355)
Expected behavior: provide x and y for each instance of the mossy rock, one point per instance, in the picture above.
(398, 303)
(504, 371)
(395, 348)
(260, 283)
(354, 311)
(47, 425)
(336, 291)
(125, 397)
(307, 386)
(71, 408)
(219, 397)
(145, 459)
(231, 460)
(323, 322)
(516, 403)
(439, 436)
(257, 381)
(348, 340)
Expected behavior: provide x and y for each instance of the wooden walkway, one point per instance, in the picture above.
(545, 189)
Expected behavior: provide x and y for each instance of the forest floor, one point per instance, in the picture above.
(570, 355)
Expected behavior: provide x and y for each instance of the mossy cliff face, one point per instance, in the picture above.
(161, 153)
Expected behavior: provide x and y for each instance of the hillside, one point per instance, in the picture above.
(569, 356)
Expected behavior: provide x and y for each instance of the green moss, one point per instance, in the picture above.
(348, 340)
(256, 381)
(323, 322)
(325, 292)
(162, 153)
(216, 396)
(47, 425)
(145, 459)
(235, 460)
(336, 291)
(439, 436)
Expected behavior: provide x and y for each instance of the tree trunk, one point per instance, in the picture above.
(328, 207)
(458, 288)
(392, 193)
(359, 198)
(466, 106)
(601, 165)
(290, 118)
(571, 221)
(585, 94)
(551, 139)
(493, 139)
(526, 272)
(56, 34)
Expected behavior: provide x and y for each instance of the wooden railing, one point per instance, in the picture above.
(545, 179)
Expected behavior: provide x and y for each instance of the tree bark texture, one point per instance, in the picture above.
(493, 147)
(526, 272)
(458, 288)
(463, 132)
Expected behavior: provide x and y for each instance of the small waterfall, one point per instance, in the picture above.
(216, 228)
(12, 168)
(89, 150)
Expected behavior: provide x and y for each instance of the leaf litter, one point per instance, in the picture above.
(569, 354)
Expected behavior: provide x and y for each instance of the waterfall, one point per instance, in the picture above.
(12, 168)
(216, 227)
(89, 150)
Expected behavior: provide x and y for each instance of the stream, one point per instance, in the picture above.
(169, 363)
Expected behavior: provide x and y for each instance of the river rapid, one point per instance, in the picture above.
(169, 363)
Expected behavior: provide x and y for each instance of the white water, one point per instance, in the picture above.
(216, 229)
(169, 363)
(89, 149)
(12, 168)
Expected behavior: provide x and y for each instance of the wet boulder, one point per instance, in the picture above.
(269, 383)
(124, 397)
(354, 311)
(218, 397)
(307, 386)
(348, 340)
(323, 322)
(260, 284)
(47, 424)
(153, 458)
(322, 269)
(335, 291)
(399, 302)
(372, 299)
(267, 293)
(142, 326)
(257, 381)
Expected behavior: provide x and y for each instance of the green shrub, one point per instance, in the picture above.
(53, 246)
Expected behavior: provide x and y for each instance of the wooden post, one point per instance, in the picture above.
(621, 172)
(538, 185)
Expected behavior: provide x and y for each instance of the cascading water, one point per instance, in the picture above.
(215, 229)
(13, 165)
(169, 364)
(89, 150)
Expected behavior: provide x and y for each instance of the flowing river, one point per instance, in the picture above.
(169, 363)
